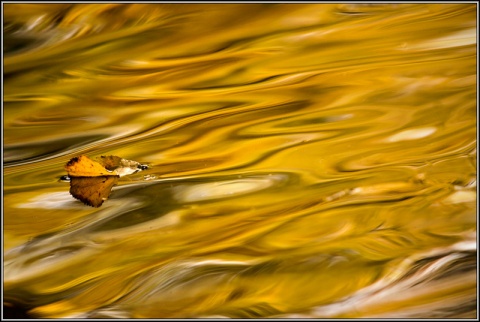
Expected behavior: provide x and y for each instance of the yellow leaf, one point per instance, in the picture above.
(91, 182)
(83, 166)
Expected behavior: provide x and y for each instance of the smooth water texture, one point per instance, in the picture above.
(305, 160)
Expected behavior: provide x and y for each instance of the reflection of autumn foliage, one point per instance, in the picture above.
(91, 182)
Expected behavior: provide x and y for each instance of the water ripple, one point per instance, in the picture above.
(305, 160)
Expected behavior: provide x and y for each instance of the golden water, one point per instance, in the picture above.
(306, 160)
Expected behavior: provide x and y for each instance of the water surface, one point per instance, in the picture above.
(305, 160)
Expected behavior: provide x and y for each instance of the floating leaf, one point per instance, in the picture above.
(110, 162)
(92, 191)
(122, 167)
(83, 166)
(91, 182)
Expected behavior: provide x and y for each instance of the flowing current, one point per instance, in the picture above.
(304, 160)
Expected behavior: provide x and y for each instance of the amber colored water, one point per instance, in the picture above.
(305, 160)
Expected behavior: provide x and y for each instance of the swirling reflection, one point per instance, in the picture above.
(305, 160)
